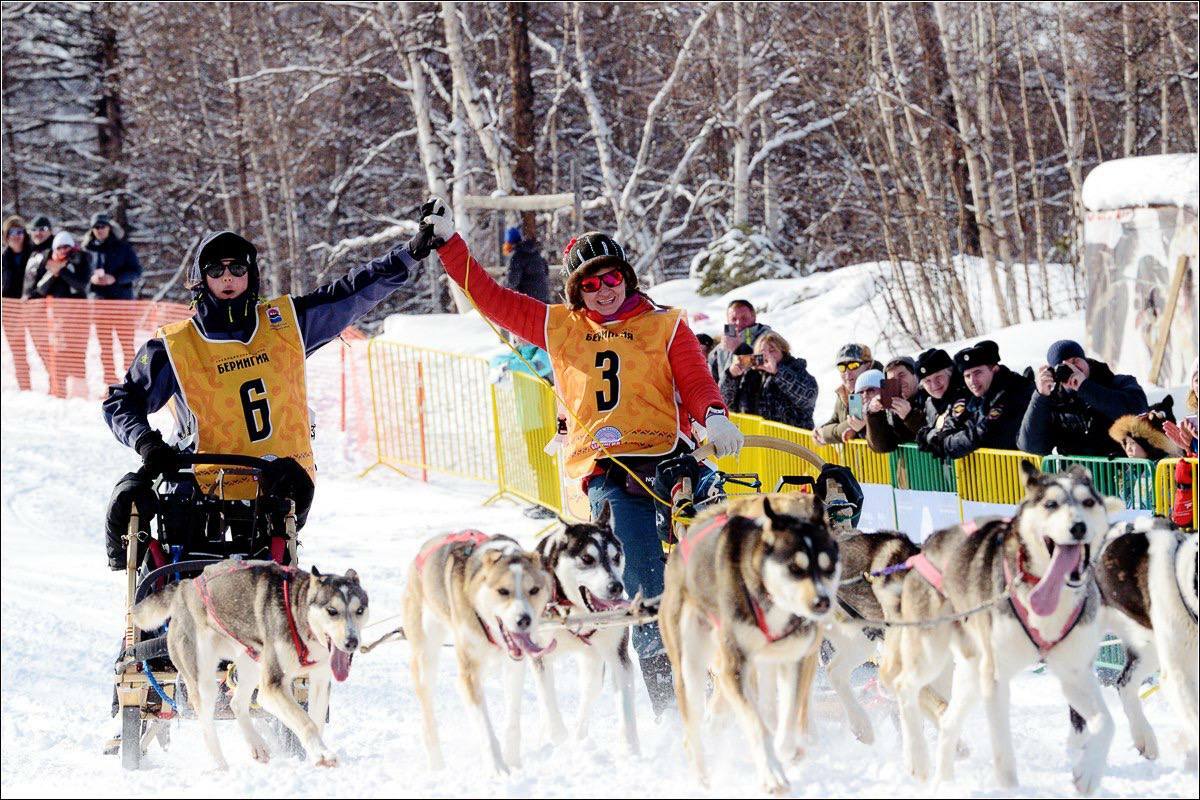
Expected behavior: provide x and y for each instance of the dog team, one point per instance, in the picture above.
(752, 591)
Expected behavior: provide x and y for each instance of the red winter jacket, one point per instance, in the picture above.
(1183, 512)
(526, 317)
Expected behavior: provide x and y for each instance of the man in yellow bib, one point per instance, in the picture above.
(234, 373)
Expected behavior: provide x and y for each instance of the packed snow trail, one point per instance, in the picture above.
(62, 617)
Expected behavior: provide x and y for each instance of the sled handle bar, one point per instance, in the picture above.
(220, 459)
(769, 443)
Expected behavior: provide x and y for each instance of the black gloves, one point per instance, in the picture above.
(426, 241)
(133, 490)
(157, 456)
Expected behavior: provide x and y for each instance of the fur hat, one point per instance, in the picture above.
(985, 353)
(1147, 430)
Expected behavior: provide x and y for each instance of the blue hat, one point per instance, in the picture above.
(1063, 349)
(512, 235)
(871, 379)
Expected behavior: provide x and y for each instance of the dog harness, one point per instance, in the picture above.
(689, 542)
(201, 583)
(930, 572)
(560, 601)
(471, 536)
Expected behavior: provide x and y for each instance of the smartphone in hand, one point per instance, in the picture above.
(856, 406)
(889, 391)
(757, 360)
(731, 330)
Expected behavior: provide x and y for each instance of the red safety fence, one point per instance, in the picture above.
(78, 348)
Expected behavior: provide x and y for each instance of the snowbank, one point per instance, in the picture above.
(1166, 180)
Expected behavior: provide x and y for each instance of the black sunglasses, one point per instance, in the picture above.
(214, 271)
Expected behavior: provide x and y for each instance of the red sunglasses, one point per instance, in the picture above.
(591, 283)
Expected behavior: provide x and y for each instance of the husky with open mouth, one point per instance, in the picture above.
(747, 591)
(1045, 554)
(275, 624)
(487, 595)
(1147, 576)
(587, 564)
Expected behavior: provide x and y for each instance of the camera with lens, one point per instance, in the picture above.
(1063, 373)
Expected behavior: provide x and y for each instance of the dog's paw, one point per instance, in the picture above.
(260, 753)
(962, 750)
(862, 729)
(1087, 779)
(327, 758)
(1147, 745)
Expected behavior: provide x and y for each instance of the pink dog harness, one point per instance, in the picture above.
(201, 584)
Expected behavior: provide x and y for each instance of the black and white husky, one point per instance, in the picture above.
(1045, 554)
(586, 561)
(1147, 577)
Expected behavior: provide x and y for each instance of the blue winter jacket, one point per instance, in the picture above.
(322, 315)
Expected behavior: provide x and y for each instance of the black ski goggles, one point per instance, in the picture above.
(215, 270)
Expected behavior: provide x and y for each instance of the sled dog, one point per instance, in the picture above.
(749, 587)
(1045, 554)
(486, 594)
(1147, 578)
(275, 624)
(586, 563)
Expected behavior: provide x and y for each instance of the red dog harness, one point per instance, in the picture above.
(201, 583)
(686, 546)
(470, 535)
(929, 571)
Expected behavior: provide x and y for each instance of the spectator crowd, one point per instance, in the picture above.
(40, 263)
(951, 405)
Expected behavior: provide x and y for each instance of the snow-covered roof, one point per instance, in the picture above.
(1170, 180)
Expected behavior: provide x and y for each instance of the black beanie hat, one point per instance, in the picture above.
(221, 245)
(935, 359)
(587, 253)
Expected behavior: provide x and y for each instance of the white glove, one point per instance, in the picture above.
(725, 437)
(441, 217)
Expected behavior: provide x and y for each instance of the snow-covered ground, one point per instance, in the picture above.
(62, 608)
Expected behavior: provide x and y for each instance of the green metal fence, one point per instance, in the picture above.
(917, 470)
(1130, 479)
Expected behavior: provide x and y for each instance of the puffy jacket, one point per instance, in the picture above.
(788, 396)
(14, 271)
(989, 421)
(71, 282)
(528, 272)
(1077, 423)
(1183, 510)
(322, 315)
(116, 257)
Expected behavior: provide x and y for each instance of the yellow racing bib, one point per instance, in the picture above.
(248, 398)
(617, 380)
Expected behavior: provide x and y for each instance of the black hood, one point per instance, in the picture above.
(234, 317)
(223, 244)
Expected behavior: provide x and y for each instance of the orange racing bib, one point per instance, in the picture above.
(616, 379)
(247, 398)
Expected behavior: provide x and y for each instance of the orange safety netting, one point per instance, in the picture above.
(78, 348)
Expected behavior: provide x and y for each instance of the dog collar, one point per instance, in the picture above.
(297, 641)
(1022, 612)
(760, 618)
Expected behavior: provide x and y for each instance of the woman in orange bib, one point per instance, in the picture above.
(633, 377)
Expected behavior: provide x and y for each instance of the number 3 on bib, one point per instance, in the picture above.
(609, 365)
(257, 409)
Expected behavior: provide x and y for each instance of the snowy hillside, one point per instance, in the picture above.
(62, 612)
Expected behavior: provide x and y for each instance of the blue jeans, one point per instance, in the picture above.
(633, 523)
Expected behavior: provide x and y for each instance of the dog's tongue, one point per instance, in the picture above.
(339, 663)
(1044, 597)
(530, 647)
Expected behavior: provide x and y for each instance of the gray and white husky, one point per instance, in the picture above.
(586, 561)
(276, 624)
(1045, 552)
(747, 591)
(1147, 577)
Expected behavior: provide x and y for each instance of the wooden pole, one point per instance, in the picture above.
(1164, 327)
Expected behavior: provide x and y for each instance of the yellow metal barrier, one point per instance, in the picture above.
(1165, 488)
(436, 410)
(525, 421)
(432, 411)
(993, 476)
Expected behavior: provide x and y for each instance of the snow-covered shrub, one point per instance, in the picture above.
(737, 258)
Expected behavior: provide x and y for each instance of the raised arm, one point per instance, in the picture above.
(511, 310)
